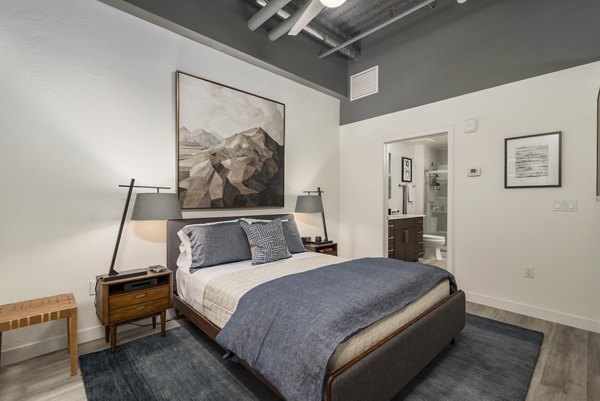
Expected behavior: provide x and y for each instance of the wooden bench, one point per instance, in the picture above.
(40, 310)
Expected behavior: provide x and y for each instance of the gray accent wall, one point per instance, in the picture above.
(221, 24)
(458, 49)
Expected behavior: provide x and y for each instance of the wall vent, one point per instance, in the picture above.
(364, 83)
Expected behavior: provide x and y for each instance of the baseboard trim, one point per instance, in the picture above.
(567, 319)
(31, 350)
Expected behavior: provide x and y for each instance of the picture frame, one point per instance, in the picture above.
(598, 149)
(230, 146)
(533, 161)
(406, 169)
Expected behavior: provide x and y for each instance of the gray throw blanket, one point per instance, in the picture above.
(288, 328)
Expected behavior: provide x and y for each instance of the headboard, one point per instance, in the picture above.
(173, 241)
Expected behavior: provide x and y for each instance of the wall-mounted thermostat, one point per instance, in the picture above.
(474, 172)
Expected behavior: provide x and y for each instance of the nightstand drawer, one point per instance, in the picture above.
(138, 297)
(134, 311)
(326, 250)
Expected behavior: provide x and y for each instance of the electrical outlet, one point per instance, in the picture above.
(529, 272)
(92, 287)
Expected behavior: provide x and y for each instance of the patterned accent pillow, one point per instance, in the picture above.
(290, 232)
(267, 242)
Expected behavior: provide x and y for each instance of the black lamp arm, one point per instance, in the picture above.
(323, 216)
(112, 270)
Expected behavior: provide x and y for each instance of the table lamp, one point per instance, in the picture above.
(313, 204)
(150, 206)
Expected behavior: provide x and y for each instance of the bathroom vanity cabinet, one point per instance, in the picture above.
(405, 238)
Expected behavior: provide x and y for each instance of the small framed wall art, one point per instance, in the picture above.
(406, 169)
(533, 161)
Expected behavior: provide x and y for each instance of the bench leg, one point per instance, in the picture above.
(72, 336)
(68, 335)
(163, 321)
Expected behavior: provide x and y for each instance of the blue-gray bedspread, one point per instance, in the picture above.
(288, 328)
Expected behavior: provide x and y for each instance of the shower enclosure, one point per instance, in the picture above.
(436, 201)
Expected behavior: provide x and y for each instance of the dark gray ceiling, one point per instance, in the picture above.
(432, 54)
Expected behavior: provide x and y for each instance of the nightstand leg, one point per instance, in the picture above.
(107, 333)
(113, 337)
(163, 318)
(154, 322)
(176, 313)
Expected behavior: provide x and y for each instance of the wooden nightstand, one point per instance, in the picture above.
(329, 249)
(118, 302)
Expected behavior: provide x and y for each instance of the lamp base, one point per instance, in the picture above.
(124, 274)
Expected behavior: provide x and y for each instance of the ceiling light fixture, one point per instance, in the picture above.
(461, 1)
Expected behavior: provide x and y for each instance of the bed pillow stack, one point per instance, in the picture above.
(210, 244)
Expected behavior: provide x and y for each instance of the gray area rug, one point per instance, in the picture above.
(490, 361)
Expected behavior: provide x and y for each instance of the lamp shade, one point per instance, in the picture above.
(309, 204)
(156, 207)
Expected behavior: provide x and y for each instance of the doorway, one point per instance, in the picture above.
(418, 188)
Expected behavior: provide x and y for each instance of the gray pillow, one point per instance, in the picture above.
(216, 244)
(290, 232)
(292, 236)
(266, 241)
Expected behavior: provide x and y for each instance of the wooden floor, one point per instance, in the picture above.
(568, 367)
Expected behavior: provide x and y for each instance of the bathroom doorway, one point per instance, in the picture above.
(417, 194)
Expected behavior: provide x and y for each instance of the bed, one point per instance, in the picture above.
(373, 364)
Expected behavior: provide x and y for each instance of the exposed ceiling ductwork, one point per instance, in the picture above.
(314, 30)
(380, 26)
(336, 23)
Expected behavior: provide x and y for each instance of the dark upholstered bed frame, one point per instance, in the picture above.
(380, 372)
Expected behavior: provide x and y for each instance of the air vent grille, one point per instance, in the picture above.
(364, 83)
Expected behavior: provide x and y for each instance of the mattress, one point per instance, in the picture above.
(215, 292)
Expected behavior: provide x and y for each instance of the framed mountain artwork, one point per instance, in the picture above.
(230, 147)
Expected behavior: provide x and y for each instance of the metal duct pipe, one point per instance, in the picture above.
(265, 13)
(378, 27)
(285, 26)
(313, 30)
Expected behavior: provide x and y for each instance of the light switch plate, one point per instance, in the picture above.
(565, 205)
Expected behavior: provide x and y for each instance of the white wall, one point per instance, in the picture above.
(398, 150)
(498, 231)
(88, 103)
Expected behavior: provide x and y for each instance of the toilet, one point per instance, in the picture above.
(433, 245)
